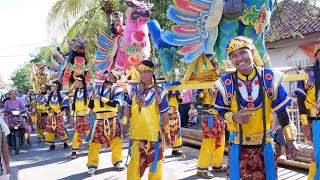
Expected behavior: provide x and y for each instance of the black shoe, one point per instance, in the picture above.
(52, 147)
(73, 155)
(29, 142)
(177, 153)
(65, 146)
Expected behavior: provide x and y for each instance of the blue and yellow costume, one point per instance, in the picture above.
(106, 128)
(213, 130)
(55, 124)
(145, 131)
(308, 100)
(260, 93)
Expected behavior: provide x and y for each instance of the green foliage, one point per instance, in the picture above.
(42, 55)
(20, 78)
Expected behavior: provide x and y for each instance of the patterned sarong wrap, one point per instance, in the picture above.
(59, 128)
(82, 125)
(217, 131)
(104, 131)
(252, 165)
(41, 120)
(174, 124)
(147, 153)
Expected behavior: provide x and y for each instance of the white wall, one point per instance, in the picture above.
(289, 56)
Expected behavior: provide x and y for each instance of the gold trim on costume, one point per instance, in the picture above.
(228, 116)
(290, 131)
(104, 99)
(304, 119)
(235, 45)
(316, 49)
(143, 67)
(166, 129)
(105, 115)
(254, 139)
(81, 113)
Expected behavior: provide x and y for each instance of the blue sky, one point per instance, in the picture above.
(23, 31)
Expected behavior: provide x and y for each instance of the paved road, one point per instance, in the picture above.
(36, 163)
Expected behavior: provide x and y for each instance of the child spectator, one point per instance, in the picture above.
(193, 114)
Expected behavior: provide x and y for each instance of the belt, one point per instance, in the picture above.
(81, 113)
(44, 114)
(41, 111)
(105, 115)
(254, 139)
(210, 111)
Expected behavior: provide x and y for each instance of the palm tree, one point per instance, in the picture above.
(86, 17)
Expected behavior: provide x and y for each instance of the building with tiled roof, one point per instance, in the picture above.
(291, 38)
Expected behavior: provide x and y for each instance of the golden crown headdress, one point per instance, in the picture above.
(236, 44)
(143, 67)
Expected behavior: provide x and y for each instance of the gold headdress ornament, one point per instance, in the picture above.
(43, 86)
(316, 47)
(143, 67)
(236, 44)
(113, 72)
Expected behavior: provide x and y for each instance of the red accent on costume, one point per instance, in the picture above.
(227, 82)
(60, 129)
(250, 105)
(217, 131)
(100, 138)
(81, 126)
(268, 76)
(174, 126)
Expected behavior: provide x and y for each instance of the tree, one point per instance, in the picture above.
(21, 79)
(43, 54)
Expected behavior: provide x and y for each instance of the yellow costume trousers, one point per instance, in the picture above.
(133, 172)
(178, 143)
(75, 141)
(209, 152)
(51, 137)
(94, 150)
(40, 133)
(312, 170)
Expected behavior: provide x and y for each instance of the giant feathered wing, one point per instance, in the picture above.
(105, 54)
(59, 62)
(197, 26)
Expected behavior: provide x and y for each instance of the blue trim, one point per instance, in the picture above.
(268, 83)
(202, 169)
(270, 168)
(75, 149)
(156, 152)
(229, 88)
(51, 142)
(92, 167)
(311, 78)
(316, 146)
(210, 121)
(117, 163)
(92, 118)
(232, 136)
(65, 140)
(129, 151)
(176, 147)
(234, 162)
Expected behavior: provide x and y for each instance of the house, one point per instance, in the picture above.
(291, 39)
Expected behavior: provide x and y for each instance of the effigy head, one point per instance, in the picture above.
(138, 11)
(79, 66)
(77, 44)
(40, 67)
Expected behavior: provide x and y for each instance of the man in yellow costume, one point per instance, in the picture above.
(79, 106)
(56, 103)
(146, 102)
(106, 129)
(246, 100)
(41, 111)
(174, 98)
(213, 131)
(308, 96)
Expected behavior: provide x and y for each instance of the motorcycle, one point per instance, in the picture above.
(15, 120)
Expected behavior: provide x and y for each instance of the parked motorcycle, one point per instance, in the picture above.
(15, 123)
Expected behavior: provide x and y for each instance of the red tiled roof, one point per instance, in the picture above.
(294, 21)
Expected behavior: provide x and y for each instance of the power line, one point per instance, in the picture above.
(9, 56)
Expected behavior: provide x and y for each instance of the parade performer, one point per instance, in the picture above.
(246, 100)
(41, 111)
(79, 108)
(145, 103)
(308, 102)
(56, 104)
(213, 131)
(40, 77)
(117, 27)
(174, 98)
(106, 129)
(32, 105)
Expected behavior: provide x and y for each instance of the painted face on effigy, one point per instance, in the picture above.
(139, 11)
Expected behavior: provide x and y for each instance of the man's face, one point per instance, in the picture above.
(78, 83)
(242, 59)
(110, 78)
(54, 88)
(43, 90)
(146, 77)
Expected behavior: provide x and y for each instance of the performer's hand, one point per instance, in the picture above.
(306, 130)
(124, 131)
(293, 148)
(168, 140)
(241, 117)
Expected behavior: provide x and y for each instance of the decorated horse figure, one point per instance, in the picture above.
(120, 53)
